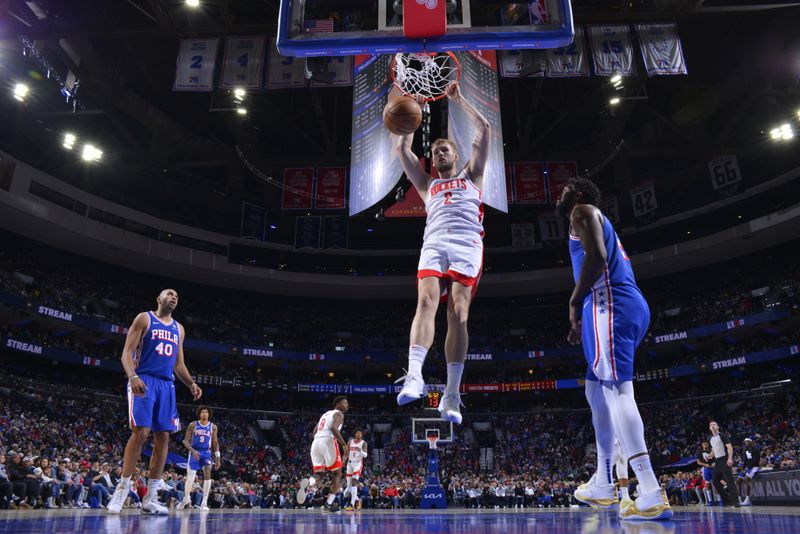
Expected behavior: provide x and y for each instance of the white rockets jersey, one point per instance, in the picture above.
(454, 204)
(326, 424)
(356, 452)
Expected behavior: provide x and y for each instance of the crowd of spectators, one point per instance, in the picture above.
(62, 447)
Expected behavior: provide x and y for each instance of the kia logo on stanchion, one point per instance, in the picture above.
(430, 4)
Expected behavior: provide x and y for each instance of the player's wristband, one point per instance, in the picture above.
(132, 377)
(216, 454)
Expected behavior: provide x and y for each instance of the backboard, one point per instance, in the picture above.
(421, 428)
(352, 27)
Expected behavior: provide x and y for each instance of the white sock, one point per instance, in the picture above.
(416, 359)
(353, 496)
(644, 473)
(206, 491)
(454, 372)
(603, 431)
(331, 497)
(625, 493)
(152, 490)
(187, 489)
(126, 481)
(709, 496)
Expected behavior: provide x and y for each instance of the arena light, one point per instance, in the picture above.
(616, 78)
(69, 141)
(614, 101)
(193, 3)
(239, 93)
(241, 111)
(776, 134)
(787, 131)
(21, 91)
(91, 153)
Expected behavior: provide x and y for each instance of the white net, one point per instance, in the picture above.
(427, 75)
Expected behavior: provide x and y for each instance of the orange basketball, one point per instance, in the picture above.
(402, 116)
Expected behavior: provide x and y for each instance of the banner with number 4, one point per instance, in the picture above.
(244, 62)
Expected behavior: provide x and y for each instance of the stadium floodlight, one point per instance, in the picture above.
(616, 78)
(776, 134)
(69, 141)
(193, 3)
(787, 132)
(239, 93)
(91, 153)
(614, 101)
(21, 91)
(241, 111)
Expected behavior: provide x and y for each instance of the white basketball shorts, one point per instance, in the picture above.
(452, 256)
(325, 455)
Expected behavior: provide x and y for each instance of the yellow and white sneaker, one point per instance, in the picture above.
(597, 496)
(649, 506)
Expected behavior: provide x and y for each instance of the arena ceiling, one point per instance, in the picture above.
(174, 154)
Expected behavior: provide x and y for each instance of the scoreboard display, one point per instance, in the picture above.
(433, 399)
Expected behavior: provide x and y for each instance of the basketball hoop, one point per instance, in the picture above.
(432, 441)
(425, 74)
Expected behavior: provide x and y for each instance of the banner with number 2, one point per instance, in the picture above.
(194, 70)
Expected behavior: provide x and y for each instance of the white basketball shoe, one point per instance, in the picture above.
(649, 506)
(118, 498)
(301, 493)
(413, 389)
(599, 497)
(450, 407)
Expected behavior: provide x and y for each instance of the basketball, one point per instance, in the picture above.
(402, 116)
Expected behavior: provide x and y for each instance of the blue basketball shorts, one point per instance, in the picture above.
(615, 321)
(204, 461)
(157, 409)
(708, 474)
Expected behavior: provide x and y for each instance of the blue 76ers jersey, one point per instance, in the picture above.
(619, 273)
(158, 349)
(201, 438)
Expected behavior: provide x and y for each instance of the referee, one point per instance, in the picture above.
(723, 461)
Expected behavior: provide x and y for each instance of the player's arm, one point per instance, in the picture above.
(411, 165)
(182, 372)
(187, 441)
(338, 419)
(135, 333)
(483, 135)
(729, 449)
(364, 450)
(586, 223)
(215, 446)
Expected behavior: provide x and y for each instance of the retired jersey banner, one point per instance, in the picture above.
(307, 232)
(522, 63)
(569, 60)
(661, 49)
(337, 72)
(330, 188)
(194, 70)
(558, 174)
(479, 86)
(612, 50)
(243, 65)
(610, 208)
(529, 183)
(284, 71)
(298, 189)
(551, 227)
(644, 199)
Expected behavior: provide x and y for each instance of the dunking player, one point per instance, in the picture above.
(201, 436)
(325, 455)
(153, 351)
(452, 253)
(357, 448)
(608, 312)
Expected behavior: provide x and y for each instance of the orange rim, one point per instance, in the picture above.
(427, 99)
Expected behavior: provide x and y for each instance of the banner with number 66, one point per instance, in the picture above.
(194, 70)
(244, 62)
(724, 171)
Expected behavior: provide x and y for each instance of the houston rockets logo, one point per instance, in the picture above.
(430, 4)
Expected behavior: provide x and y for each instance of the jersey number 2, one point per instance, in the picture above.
(447, 197)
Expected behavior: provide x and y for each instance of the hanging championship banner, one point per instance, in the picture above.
(661, 49)
(724, 171)
(644, 199)
(335, 72)
(612, 50)
(523, 235)
(307, 232)
(551, 227)
(244, 62)
(374, 165)
(529, 183)
(284, 71)
(254, 222)
(610, 208)
(522, 63)
(558, 174)
(479, 87)
(330, 188)
(568, 61)
(194, 69)
(509, 183)
(334, 232)
(298, 188)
